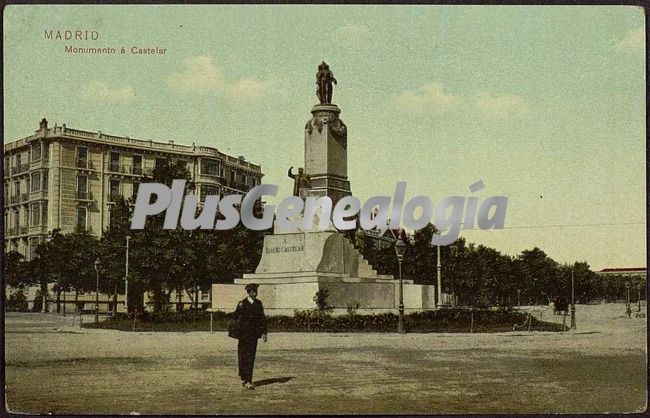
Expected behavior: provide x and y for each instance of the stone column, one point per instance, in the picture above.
(326, 159)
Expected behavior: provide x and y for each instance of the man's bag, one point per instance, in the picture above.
(234, 328)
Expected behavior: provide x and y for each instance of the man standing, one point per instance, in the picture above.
(252, 325)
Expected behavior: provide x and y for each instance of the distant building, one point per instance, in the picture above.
(634, 271)
(68, 179)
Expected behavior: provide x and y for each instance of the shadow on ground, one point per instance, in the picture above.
(265, 382)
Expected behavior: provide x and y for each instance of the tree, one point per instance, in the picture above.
(14, 270)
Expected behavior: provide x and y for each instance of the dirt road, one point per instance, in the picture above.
(54, 367)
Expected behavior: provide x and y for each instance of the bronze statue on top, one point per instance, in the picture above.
(301, 182)
(324, 80)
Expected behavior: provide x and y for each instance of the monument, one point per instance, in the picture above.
(295, 265)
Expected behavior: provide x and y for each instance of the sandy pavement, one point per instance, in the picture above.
(52, 366)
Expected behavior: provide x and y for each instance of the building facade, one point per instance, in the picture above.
(68, 179)
(624, 272)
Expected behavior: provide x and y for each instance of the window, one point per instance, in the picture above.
(27, 185)
(16, 188)
(160, 162)
(16, 218)
(115, 162)
(233, 176)
(182, 164)
(46, 151)
(7, 163)
(36, 182)
(81, 219)
(36, 152)
(17, 160)
(36, 214)
(209, 168)
(137, 164)
(26, 216)
(114, 193)
(44, 181)
(136, 185)
(33, 245)
(82, 157)
(82, 187)
(44, 214)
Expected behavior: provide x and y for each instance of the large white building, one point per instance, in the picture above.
(68, 179)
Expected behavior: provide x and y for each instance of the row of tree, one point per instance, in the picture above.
(162, 261)
(482, 276)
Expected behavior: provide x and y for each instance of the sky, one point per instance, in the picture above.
(544, 104)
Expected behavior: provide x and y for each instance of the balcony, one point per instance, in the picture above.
(124, 169)
(38, 195)
(12, 232)
(14, 200)
(84, 195)
(115, 197)
(24, 197)
(38, 229)
(84, 164)
(80, 229)
(23, 230)
(17, 169)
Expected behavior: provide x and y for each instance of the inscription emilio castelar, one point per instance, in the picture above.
(291, 249)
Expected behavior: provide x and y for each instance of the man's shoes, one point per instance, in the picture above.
(249, 386)
(243, 383)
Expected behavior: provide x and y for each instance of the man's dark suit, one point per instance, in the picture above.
(252, 326)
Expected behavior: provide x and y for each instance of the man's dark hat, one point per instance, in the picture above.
(251, 286)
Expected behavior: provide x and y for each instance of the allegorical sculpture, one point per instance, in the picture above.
(301, 182)
(324, 80)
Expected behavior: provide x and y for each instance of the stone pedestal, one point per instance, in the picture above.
(326, 160)
(294, 266)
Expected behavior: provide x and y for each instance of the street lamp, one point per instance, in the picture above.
(439, 277)
(628, 309)
(573, 302)
(97, 264)
(400, 249)
(126, 277)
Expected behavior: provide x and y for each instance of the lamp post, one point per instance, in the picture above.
(628, 309)
(439, 277)
(400, 248)
(126, 277)
(573, 302)
(97, 264)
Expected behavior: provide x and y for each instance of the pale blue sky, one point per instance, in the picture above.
(544, 104)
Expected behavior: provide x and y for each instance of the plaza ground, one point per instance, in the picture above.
(52, 366)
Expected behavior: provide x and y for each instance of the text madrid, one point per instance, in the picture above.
(376, 213)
